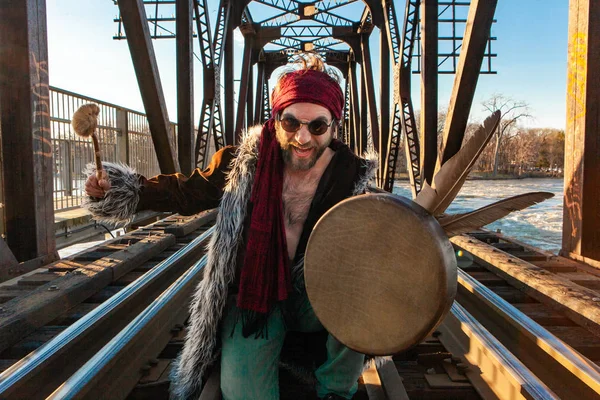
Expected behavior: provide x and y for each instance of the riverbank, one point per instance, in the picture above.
(488, 176)
(539, 225)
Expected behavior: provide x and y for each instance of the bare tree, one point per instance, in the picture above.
(510, 112)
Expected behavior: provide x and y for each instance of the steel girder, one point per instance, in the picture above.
(323, 27)
(403, 108)
(211, 55)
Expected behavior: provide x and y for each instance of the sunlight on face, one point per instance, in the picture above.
(301, 150)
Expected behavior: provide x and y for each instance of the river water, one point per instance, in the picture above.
(539, 225)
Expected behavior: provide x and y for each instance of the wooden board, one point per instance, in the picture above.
(380, 273)
(26, 313)
(575, 301)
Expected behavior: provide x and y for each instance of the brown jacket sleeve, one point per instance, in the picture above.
(188, 195)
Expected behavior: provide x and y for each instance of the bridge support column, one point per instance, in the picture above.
(185, 87)
(429, 88)
(27, 148)
(581, 213)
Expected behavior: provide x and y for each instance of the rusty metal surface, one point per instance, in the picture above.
(581, 211)
(96, 325)
(146, 68)
(25, 126)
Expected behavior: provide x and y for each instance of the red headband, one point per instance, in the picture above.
(308, 86)
(265, 276)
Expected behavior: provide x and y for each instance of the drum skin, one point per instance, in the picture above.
(380, 273)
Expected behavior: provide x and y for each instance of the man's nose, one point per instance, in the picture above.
(303, 135)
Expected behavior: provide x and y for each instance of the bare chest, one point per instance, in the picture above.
(297, 197)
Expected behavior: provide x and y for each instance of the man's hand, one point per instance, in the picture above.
(97, 187)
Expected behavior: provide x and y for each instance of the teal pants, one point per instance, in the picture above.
(249, 366)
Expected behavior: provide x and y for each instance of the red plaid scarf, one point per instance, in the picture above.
(265, 276)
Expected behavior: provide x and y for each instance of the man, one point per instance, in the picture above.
(271, 191)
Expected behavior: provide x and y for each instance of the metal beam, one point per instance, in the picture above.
(479, 22)
(25, 128)
(133, 15)
(228, 84)
(369, 85)
(260, 82)
(185, 86)
(249, 97)
(355, 107)
(581, 212)
(244, 83)
(384, 104)
(429, 88)
(364, 114)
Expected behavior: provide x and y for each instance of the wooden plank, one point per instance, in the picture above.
(212, 388)
(8, 262)
(133, 15)
(581, 211)
(74, 314)
(479, 22)
(39, 279)
(555, 266)
(189, 224)
(580, 339)
(488, 278)
(429, 88)
(582, 305)
(7, 294)
(512, 295)
(26, 313)
(543, 315)
(157, 369)
(25, 126)
(443, 381)
(33, 341)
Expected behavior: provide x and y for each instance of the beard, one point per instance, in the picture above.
(287, 150)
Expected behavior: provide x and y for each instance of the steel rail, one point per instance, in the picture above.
(578, 376)
(30, 366)
(98, 368)
(501, 374)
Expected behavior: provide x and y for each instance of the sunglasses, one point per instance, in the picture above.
(316, 127)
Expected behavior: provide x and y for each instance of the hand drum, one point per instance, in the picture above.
(380, 273)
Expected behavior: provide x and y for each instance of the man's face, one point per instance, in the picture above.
(301, 149)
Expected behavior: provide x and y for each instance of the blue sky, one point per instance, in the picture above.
(531, 62)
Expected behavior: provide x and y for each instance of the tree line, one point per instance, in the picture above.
(514, 150)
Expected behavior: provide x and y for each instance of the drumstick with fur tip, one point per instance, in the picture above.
(85, 121)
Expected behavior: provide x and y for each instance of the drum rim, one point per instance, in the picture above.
(449, 281)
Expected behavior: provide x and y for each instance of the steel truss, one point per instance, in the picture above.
(448, 20)
(330, 29)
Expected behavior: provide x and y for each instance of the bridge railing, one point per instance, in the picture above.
(124, 136)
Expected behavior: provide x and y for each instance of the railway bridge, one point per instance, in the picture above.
(526, 323)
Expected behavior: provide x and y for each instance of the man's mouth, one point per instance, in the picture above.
(302, 153)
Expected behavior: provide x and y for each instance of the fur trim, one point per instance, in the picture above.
(371, 159)
(378, 360)
(121, 200)
(297, 275)
(208, 303)
(200, 349)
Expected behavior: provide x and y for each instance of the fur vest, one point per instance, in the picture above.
(201, 348)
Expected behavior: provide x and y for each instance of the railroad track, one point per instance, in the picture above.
(53, 322)
(524, 325)
(505, 337)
